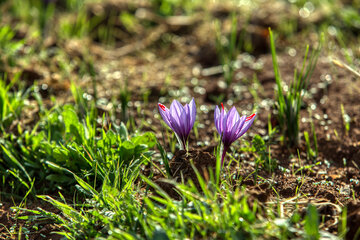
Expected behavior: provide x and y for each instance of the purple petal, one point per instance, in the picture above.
(230, 135)
(217, 119)
(179, 118)
(248, 122)
(222, 120)
(165, 114)
(176, 127)
(236, 128)
(184, 121)
(175, 110)
(192, 113)
(220, 117)
(232, 118)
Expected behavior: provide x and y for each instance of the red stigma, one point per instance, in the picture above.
(222, 105)
(250, 117)
(162, 106)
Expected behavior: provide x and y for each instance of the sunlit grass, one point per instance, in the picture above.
(89, 162)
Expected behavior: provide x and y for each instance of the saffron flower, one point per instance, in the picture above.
(231, 126)
(180, 119)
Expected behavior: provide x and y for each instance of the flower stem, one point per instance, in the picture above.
(182, 142)
(223, 155)
(184, 145)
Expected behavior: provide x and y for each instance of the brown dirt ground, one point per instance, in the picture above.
(36, 229)
(186, 56)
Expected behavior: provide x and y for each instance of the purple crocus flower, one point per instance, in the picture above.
(180, 119)
(231, 126)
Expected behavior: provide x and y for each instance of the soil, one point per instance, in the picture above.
(10, 225)
(182, 169)
(179, 63)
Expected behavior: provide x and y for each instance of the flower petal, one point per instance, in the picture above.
(175, 110)
(176, 127)
(235, 129)
(184, 120)
(248, 122)
(192, 113)
(217, 120)
(232, 118)
(165, 114)
(223, 121)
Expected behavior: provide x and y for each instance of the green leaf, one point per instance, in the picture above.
(127, 151)
(160, 234)
(86, 186)
(70, 117)
(60, 154)
(72, 124)
(12, 158)
(122, 130)
(67, 210)
(163, 157)
(60, 178)
(259, 144)
(111, 138)
(312, 223)
(147, 139)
